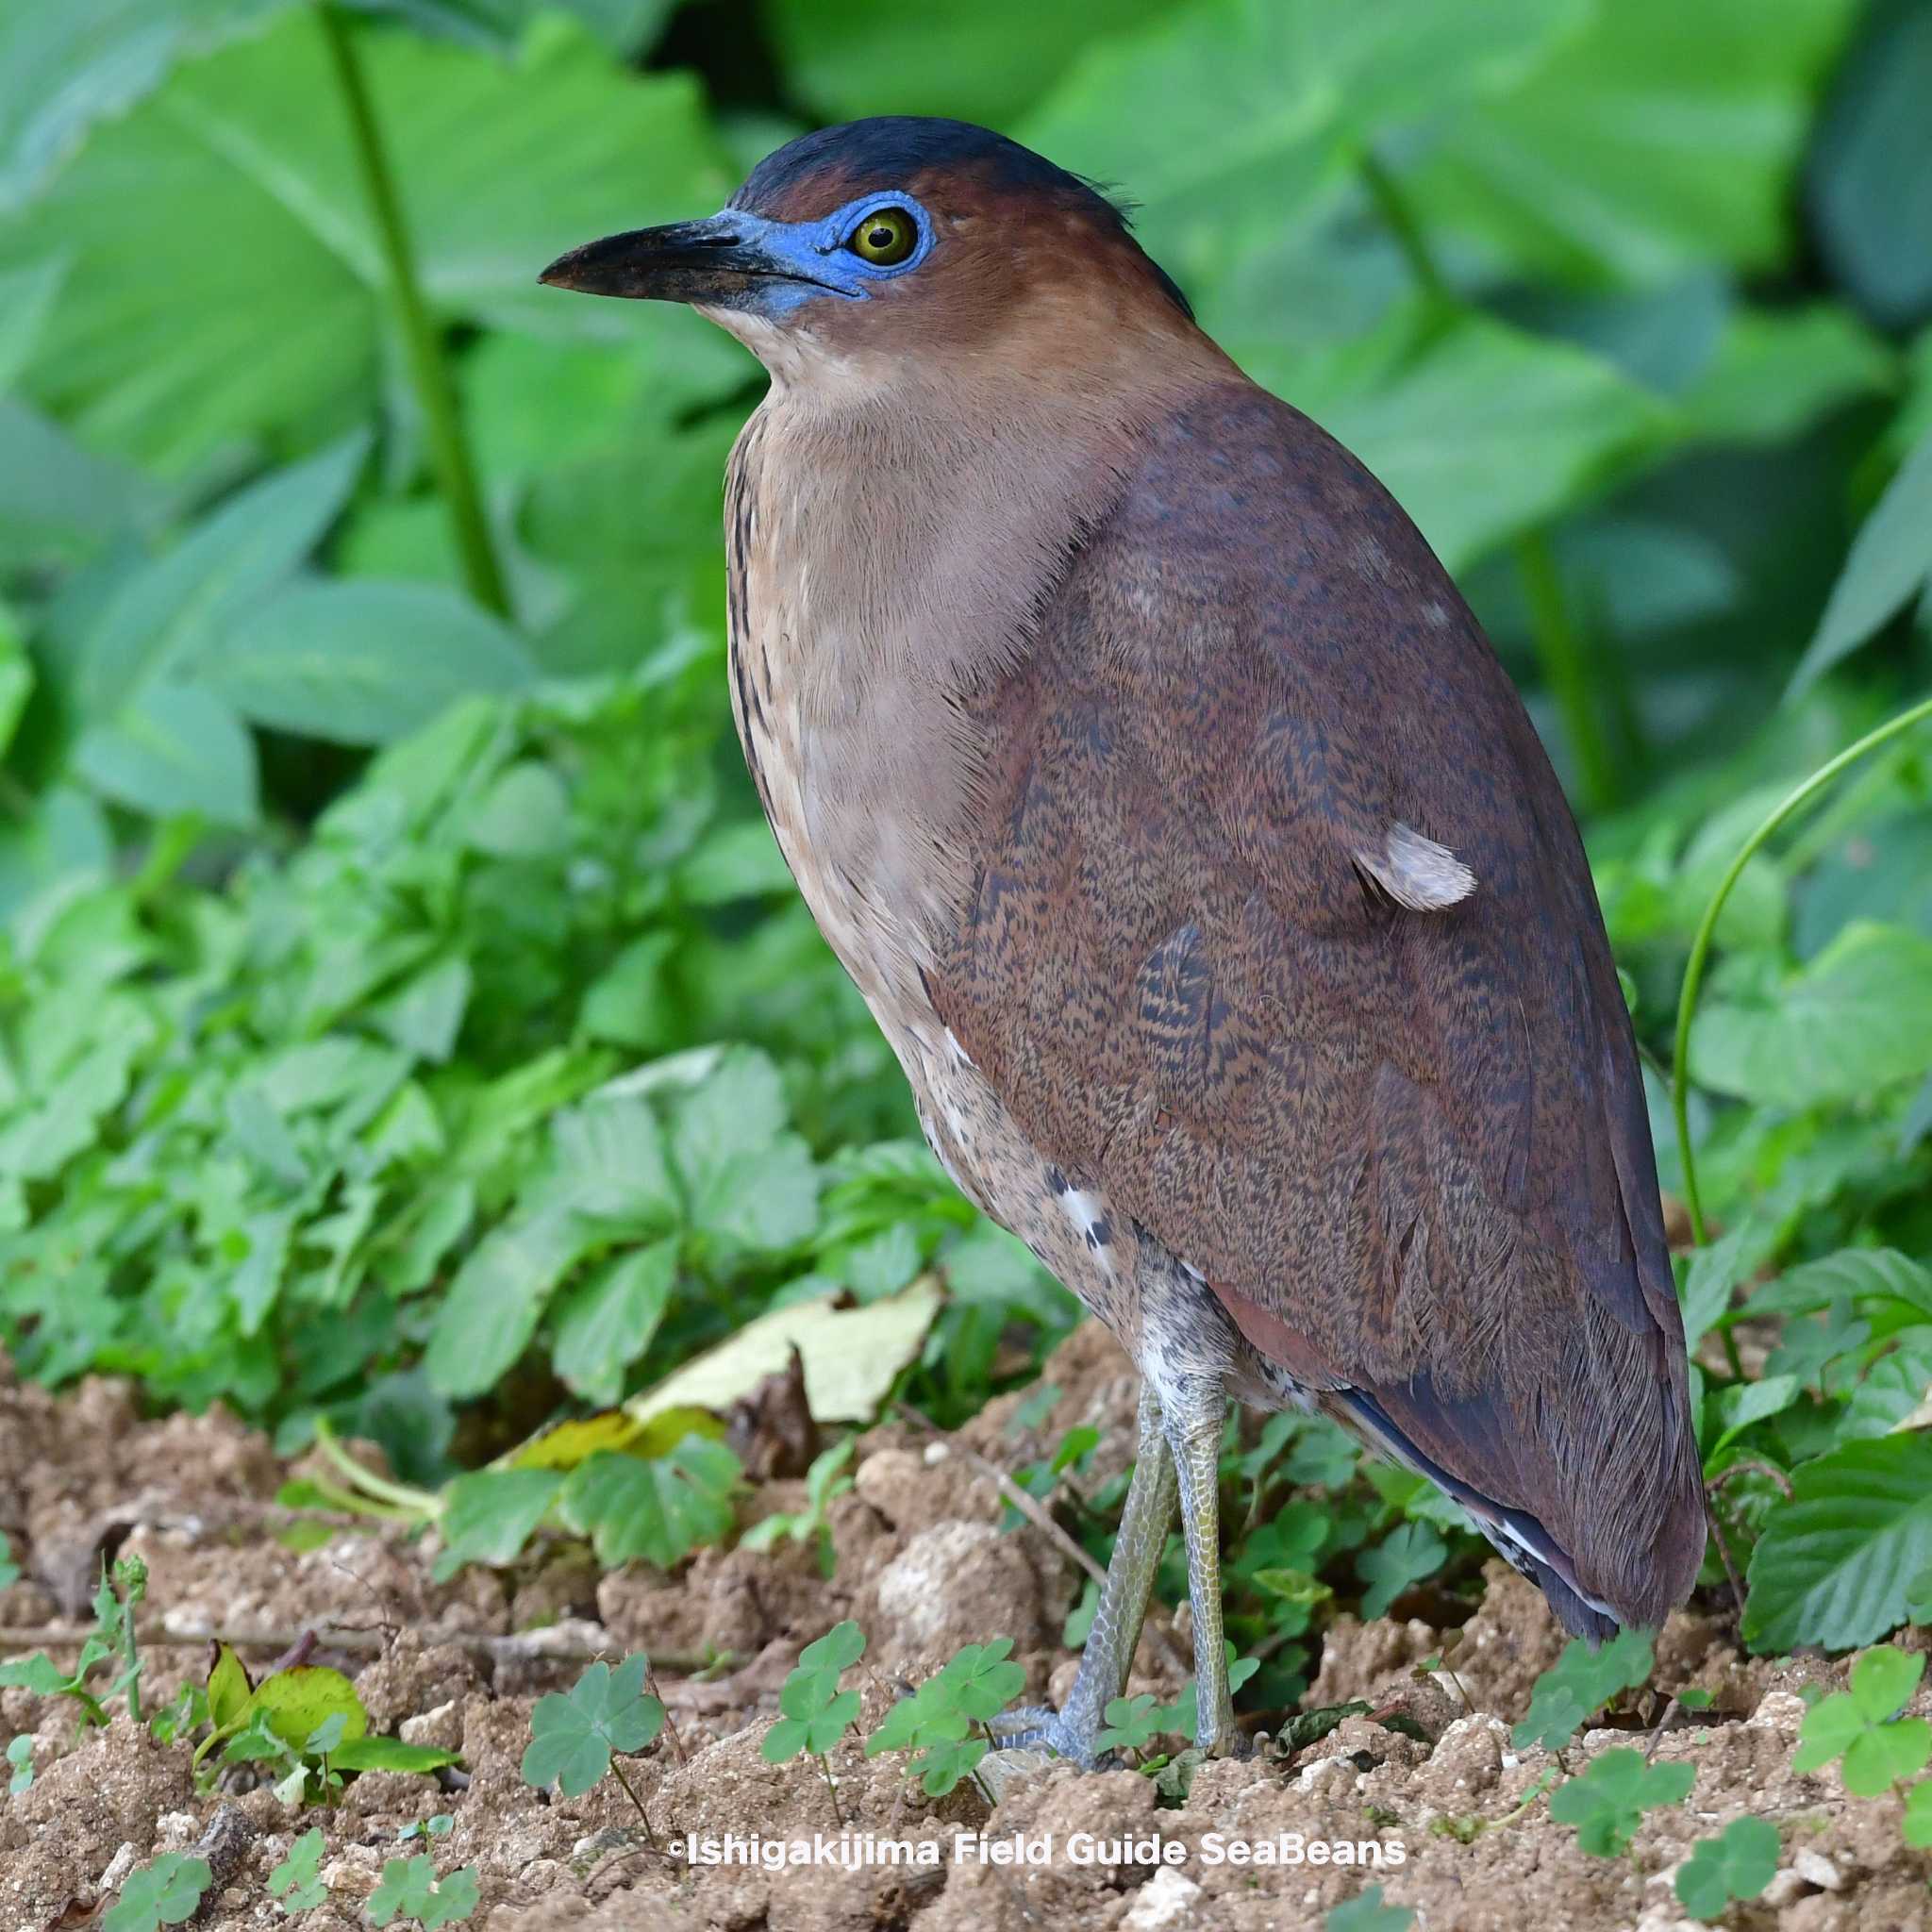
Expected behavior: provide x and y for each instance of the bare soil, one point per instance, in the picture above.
(925, 1565)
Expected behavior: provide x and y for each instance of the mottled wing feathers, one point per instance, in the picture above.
(1282, 937)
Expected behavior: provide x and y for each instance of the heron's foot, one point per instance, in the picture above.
(1038, 1728)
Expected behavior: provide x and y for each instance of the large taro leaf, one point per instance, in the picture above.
(1224, 119)
(1664, 136)
(1478, 429)
(65, 64)
(986, 62)
(223, 277)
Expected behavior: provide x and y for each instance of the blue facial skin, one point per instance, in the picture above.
(810, 259)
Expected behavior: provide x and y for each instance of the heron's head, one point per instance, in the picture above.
(897, 238)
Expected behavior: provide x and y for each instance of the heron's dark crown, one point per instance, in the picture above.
(922, 154)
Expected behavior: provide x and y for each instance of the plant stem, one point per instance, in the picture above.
(1560, 649)
(1403, 230)
(630, 1792)
(1700, 945)
(420, 1505)
(449, 447)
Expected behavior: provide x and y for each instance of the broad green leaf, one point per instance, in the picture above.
(228, 1688)
(1890, 563)
(294, 1703)
(170, 615)
(573, 1732)
(59, 502)
(607, 1321)
(26, 295)
(1579, 1684)
(390, 1754)
(493, 1306)
(610, 1158)
(1409, 1553)
(1870, 177)
(985, 64)
(488, 1515)
(1478, 429)
(65, 64)
(361, 662)
(1225, 119)
(261, 302)
(659, 1509)
(172, 748)
(524, 814)
(851, 1357)
(1835, 1564)
(1661, 137)
(1853, 1021)
(765, 1202)
(1777, 371)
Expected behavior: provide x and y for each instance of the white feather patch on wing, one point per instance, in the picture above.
(1416, 872)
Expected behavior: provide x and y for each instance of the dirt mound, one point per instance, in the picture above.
(1421, 1797)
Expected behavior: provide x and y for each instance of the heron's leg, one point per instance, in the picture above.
(1123, 1608)
(1193, 1413)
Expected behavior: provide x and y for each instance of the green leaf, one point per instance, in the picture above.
(1478, 429)
(410, 1889)
(293, 1704)
(262, 304)
(228, 1688)
(1916, 1828)
(361, 662)
(163, 1894)
(606, 1322)
(493, 1306)
(985, 64)
(1579, 1684)
(297, 1880)
(390, 1754)
(1739, 1863)
(1226, 120)
(659, 1509)
(1834, 1564)
(1130, 1724)
(1656, 139)
(488, 1515)
(1608, 1803)
(1365, 1912)
(9, 1569)
(20, 1758)
(573, 1733)
(1855, 1020)
(1409, 1553)
(1860, 1726)
(839, 1649)
(64, 67)
(172, 748)
(1890, 563)
(168, 616)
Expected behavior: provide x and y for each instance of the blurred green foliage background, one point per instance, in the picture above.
(406, 1020)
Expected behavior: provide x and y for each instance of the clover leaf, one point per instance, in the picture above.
(573, 1732)
(1365, 1912)
(1578, 1685)
(164, 1893)
(814, 1710)
(1608, 1800)
(297, 1880)
(410, 1889)
(1739, 1863)
(1858, 1724)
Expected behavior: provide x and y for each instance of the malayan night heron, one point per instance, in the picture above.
(1146, 772)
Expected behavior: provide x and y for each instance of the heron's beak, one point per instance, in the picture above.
(719, 260)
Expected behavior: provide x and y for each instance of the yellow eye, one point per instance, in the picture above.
(885, 237)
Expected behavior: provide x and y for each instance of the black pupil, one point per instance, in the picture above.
(881, 236)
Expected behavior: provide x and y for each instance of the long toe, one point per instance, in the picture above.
(1038, 1729)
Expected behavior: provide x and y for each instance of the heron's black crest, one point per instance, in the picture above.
(892, 150)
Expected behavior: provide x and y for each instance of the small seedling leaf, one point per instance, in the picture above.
(1608, 1803)
(164, 1893)
(297, 1880)
(1739, 1863)
(1365, 1912)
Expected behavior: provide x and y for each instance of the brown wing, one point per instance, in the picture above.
(1407, 1148)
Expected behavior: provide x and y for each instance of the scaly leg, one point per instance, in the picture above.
(1193, 1412)
(1111, 1644)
